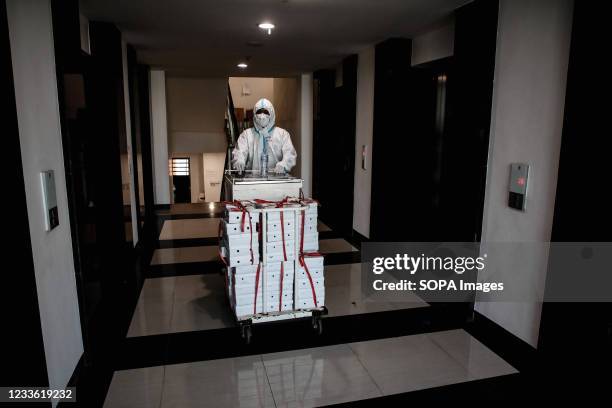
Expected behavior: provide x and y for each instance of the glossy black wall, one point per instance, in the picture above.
(576, 338)
(334, 145)
(434, 178)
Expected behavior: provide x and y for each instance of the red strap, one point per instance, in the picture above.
(280, 297)
(282, 221)
(314, 294)
(256, 288)
(251, 243)
(302, 232)
(219, 237)
(242, 208)
(234, 288)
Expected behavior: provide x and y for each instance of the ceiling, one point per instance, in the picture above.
(209, 37)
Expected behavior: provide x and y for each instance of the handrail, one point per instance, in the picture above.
(231, 133)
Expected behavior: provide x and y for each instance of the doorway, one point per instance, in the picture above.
(335, 97)
(181, 179)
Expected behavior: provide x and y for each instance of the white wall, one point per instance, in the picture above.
(259, 87)
(435, 43)
(159, 139)
(213, 174)
(130, 150)
(306, 121)
(33, 59)
(196, 114)
(527, 117)
(364, 136)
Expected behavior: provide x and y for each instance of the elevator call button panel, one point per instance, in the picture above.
(517, 194)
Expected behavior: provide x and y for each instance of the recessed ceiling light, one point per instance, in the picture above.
(267, 26)
(242, 65)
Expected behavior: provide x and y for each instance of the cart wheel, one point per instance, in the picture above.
(317, 325)
(246, 333)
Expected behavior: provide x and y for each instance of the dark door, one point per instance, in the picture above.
(182, 189)
(181, 180)
(334, 146)
(92, 113)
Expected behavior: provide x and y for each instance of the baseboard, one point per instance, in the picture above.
(74, 378)
(356, 239)
(520, 354)
(162, 206)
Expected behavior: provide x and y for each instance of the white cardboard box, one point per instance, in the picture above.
(247, 310)
(274, 236)
(241, 240)
(311, 242)
(314, 273)
(277, 247)
(238, 229)
(275, 225)
(246, 269)
(312, 262)
(279, 256)
(235, 216)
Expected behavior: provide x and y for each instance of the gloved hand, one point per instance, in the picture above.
(239, 167)
(279, 168)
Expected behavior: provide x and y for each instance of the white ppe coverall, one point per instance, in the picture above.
(264, 136)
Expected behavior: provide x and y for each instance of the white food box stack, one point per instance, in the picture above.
(278, 269)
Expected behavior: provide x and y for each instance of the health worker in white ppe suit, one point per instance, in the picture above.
(264, 139)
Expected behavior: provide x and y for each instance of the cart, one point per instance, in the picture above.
(288, 213)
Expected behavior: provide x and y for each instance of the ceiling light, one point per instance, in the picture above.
(242, 65)
(267, 26)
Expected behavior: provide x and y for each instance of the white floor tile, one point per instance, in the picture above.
(231, 382)
(151, 316)
(318, 376)
(190, 228)
(187, 254)
(322, 227)
(472, 354)
(409, 363)
(335, 245)
(344, 295)
(139, 388)
(200, 303)
(311, 377)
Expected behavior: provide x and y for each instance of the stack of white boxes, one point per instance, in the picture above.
(274, 294)
(280, 256)
(238, 240)
(309, 293)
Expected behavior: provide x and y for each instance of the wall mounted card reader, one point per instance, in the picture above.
(517, 194)
(49, 200)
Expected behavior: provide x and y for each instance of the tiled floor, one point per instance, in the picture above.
(185, 254)
(312, 377)
(321, 227)
(335, 245)
(189, 228)
(211, 253)
(199, 228)
(198, 302)
(191, 208)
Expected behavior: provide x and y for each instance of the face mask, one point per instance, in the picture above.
(262, 119)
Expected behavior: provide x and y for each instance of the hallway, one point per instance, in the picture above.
(302, 203)
(183, 348)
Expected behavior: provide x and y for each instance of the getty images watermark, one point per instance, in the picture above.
(504, 272)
